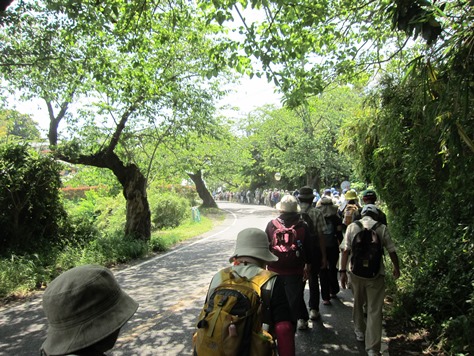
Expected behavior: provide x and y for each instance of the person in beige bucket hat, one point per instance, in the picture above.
(290, 239)
(85, 308)
(251, 254)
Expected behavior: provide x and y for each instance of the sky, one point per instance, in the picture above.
(251, 94)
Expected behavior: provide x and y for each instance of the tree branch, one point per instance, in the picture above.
(121, 126)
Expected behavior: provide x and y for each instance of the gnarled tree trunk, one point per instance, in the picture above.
(207, 199)
(138, 221)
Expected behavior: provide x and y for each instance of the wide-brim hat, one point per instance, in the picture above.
(84, 305)
(253, 242)
(288, 204)
(306, 193)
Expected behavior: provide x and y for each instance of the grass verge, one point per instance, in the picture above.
(164, 239)
(20, 276)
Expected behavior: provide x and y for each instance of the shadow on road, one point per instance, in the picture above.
(333, 333)
(26, 329)
(171, 288)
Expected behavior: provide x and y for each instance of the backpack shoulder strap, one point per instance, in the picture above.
(304, 214)
(277, 223)
(262, 277)
(266, 296)
(359, 224)
(376, 225)
(225, 274)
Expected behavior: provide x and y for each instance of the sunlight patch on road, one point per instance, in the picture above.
(134, 333)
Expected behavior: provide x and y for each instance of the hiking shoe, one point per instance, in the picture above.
(373, 353)
(359, 336)
(314, 314)
(302, 324)
(326, 302)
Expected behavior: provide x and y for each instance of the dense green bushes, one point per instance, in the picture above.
(169, 210)
(20, 274)
(104, 250)
(31, 214)
(414, 146)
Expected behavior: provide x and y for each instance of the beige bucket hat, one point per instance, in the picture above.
(253, 242)
(288, 204)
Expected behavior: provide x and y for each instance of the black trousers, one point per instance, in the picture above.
(328, 276)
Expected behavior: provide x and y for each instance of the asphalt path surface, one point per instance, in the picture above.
(171, 288)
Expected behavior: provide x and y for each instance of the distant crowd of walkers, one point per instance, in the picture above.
(270, 197)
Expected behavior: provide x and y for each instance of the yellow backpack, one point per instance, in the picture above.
(230, 323)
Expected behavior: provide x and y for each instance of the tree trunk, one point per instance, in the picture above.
(138, 222)
(313, 180)
(207, 199)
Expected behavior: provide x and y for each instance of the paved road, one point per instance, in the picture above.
(170, 289)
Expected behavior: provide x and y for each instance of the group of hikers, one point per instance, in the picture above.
(269, 197)
(256, 305)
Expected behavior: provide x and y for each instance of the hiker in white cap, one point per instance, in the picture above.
(365, 242)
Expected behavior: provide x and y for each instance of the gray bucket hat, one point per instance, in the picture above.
(253, 242)
(83, 306)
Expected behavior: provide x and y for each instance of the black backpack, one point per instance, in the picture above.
(367, 252)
